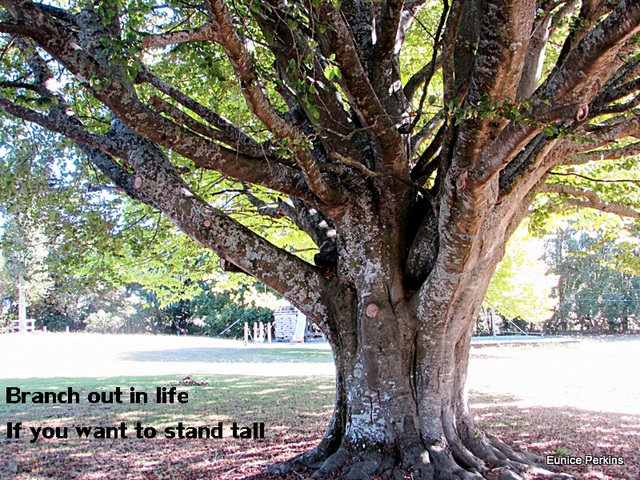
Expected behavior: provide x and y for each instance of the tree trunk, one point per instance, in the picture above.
(401, 402)
(402, 406)
(22, 306)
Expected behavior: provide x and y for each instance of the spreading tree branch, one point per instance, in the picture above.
(590, 12)
(309, 220)
(496, 73)
(448, 52)
(233, 136)
(547, 153)
(624, 83)
(385, 135)
(303, 84)
(120, 97)
(591, 200)
(569, 88)
(536, 53)
(427, 164)
(259, 104)
(157, 182)
(182, 118)
(206, 32)
(386, 45)
(115, 172)
(604, 154)
(436, 122)
(262, 207)
(422, 76)
(429, 74)
(595, 180)
(384, 72)
(212, 228)
(578, 79)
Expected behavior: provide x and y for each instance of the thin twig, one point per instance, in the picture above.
(598, 180)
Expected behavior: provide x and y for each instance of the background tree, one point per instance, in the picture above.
(7, 288)
(593, 295)
(219, 310)
(25, 249)
(45, 218)
(408, 168)
(521, 286)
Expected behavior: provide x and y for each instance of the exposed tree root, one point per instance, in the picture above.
(311, 460)
(463, 453)
(437, 462)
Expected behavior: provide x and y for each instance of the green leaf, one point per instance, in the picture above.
(255, 6)
(43, 102)
(330, 72)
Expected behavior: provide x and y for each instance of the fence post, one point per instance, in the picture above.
(493, 326)
(22, 306)
(269, 332)
(246, 333)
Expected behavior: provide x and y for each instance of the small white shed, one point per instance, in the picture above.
(290, 324)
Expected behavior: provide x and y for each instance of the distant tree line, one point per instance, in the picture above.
(113, 266)
(63, 292)
(579, 279)
(134, 309)
(580, 282)
(598, 289)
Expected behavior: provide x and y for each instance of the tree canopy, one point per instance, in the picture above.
(404, 140)
(521, 287)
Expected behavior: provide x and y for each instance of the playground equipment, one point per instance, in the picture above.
(260, 331)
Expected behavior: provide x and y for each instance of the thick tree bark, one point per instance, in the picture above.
(401, 401)
(402, 406)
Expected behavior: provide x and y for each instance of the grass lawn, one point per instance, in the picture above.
(577, 399)
(294, 411)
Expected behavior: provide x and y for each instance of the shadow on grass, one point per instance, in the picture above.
(234, 355)
(565, 432)
(295, 412)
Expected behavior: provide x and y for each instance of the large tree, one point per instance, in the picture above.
(407, 139)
